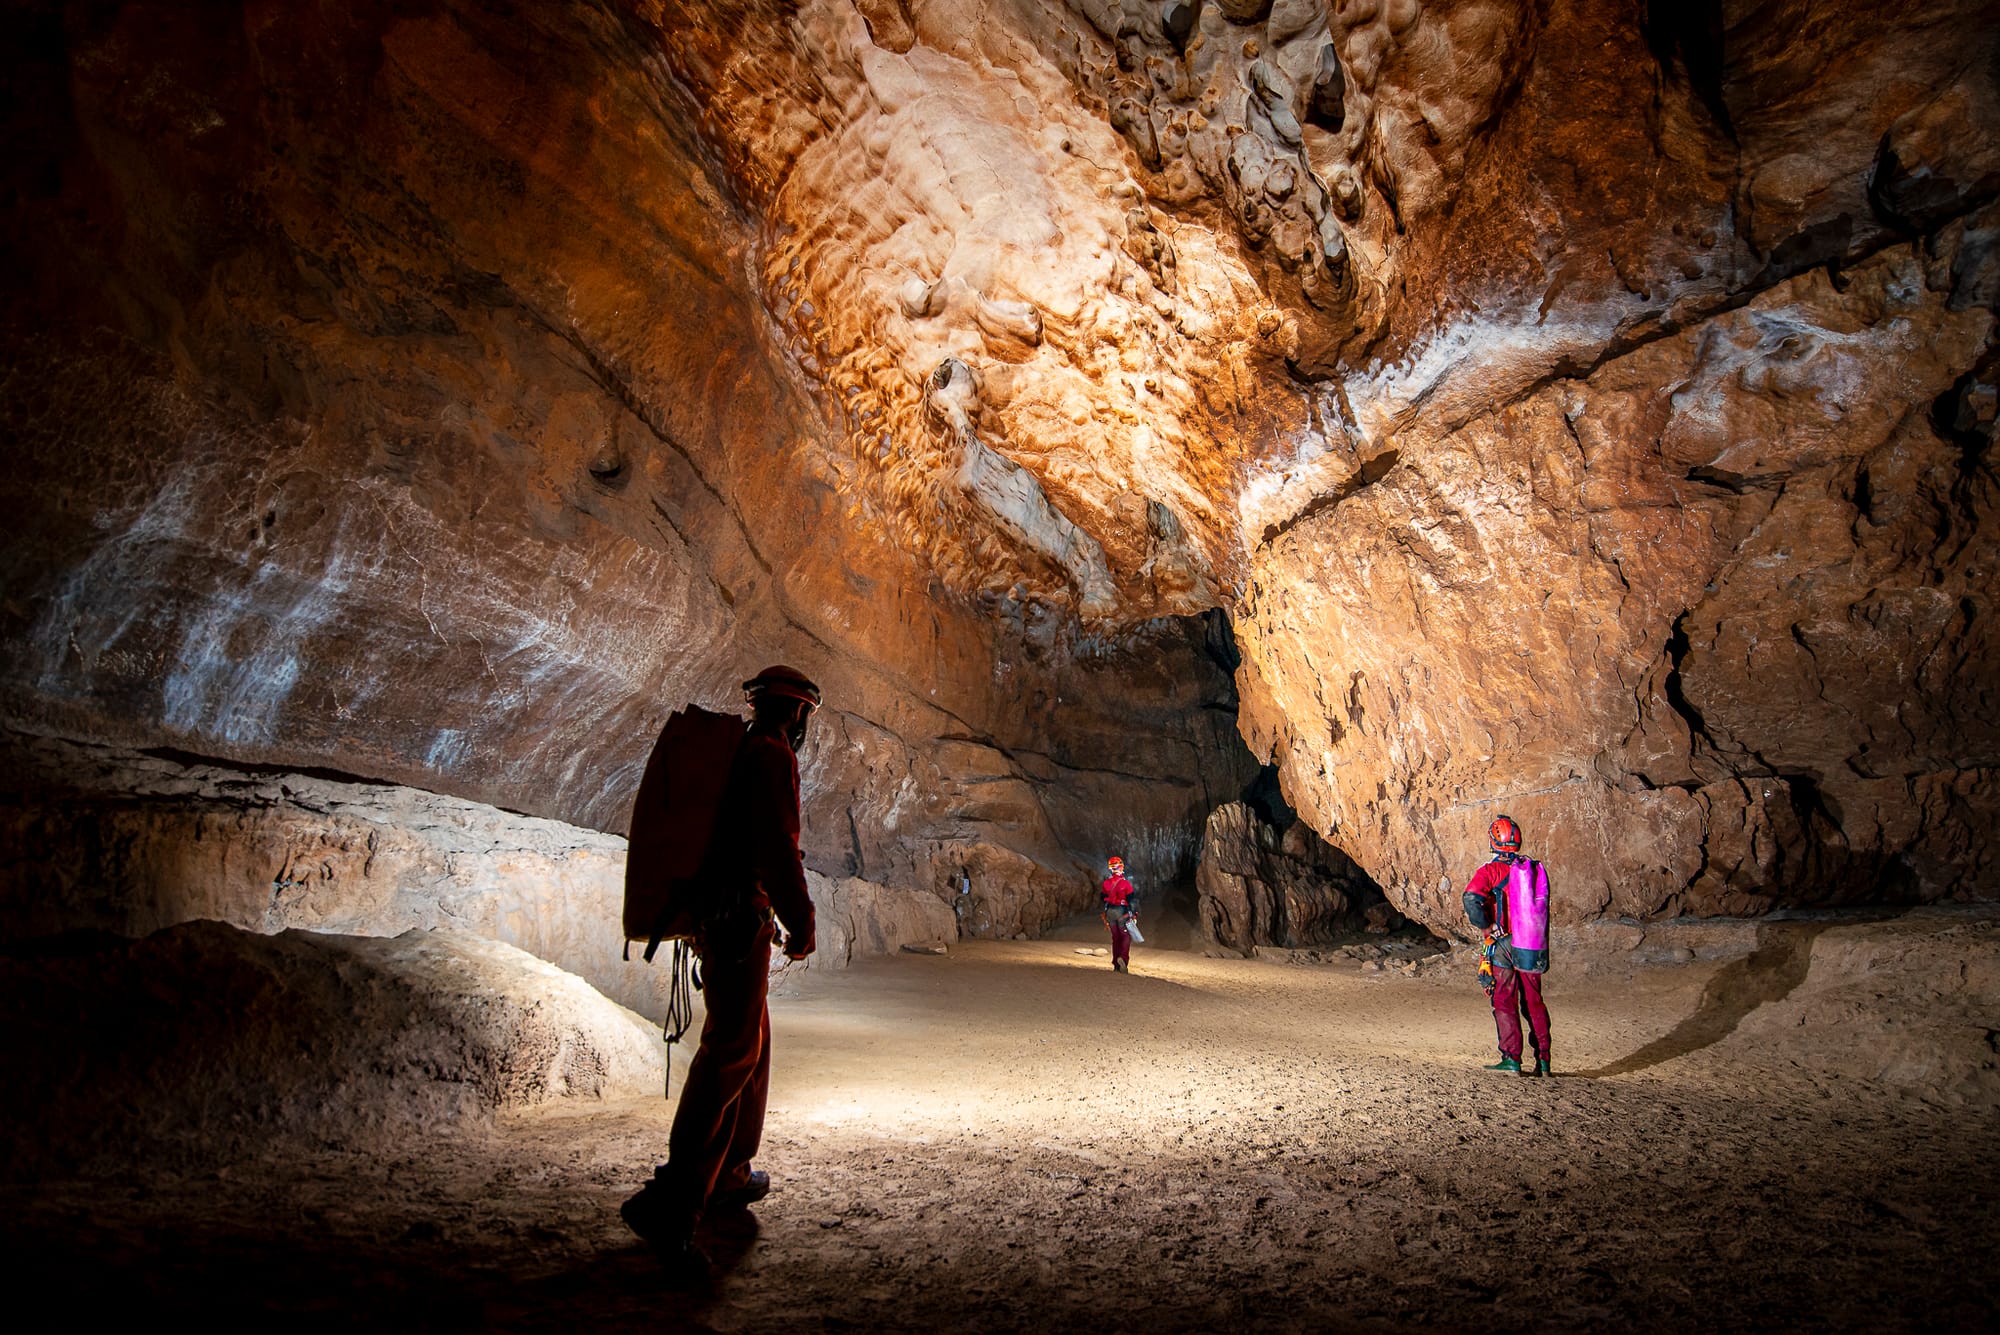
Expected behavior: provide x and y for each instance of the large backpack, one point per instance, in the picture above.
(673, 822)
(1526, 896)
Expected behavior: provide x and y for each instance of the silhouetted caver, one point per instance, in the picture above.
(752, 873)
(1508, 899)
(1121, 912)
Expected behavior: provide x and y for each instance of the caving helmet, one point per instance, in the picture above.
(1504, 835)
(784, 682)
(1115, 865)
(779, 683)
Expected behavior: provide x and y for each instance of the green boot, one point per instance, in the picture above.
(1541, 1066)
(1507, 1064)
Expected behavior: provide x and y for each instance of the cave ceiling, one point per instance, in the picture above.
(1582, 410)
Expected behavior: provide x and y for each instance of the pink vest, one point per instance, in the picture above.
(1527, 917)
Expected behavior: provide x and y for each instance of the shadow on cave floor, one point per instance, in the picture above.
(1767, 974)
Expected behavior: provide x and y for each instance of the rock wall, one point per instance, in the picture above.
(111, 841)
(1751, 664)
(1258, 885)
(1677, 502)
(387, 394)
(1583, 410)
(858, 918)
(1587, 405)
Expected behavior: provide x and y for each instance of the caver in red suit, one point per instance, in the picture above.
(753, 871)
(1121, 904)
(1509, 899)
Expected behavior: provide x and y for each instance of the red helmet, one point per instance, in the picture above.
(1116, 866)
(1504, 835)
(784, 681)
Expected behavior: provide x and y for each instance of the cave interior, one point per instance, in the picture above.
(1264, 440)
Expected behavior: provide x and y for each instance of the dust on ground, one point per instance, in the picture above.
(1013, 1137)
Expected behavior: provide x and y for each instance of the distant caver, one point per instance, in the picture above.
(1120, 902)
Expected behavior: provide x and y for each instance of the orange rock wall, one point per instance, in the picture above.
(1746, 666)
(1584, 410)
(389, 392)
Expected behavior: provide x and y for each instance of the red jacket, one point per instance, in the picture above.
(1117, 893)
(1480, 903)
(756, 847)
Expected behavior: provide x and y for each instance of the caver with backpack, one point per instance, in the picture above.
(1508, 899)
(714, 866)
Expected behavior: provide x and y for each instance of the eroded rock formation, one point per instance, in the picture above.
(1747, 664)
(1259, 885)
(1904, 1003)
(104, 840)
(1584, 410)
(205, 1041)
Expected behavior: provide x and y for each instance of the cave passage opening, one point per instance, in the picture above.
(1253, 875)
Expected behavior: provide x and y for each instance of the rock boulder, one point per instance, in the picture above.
(205, 1041)
(1259, 886)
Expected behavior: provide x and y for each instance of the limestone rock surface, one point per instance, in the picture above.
(205, 1040)
(388, 395)
(1450, 231)
(1581, 410)
(1711, 676)
(1257, 885)
(858, 918)
(105, 840)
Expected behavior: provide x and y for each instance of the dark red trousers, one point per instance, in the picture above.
(1121, 938)
(720, 1121)
(1514, 994)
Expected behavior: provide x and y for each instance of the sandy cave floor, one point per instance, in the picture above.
(1012, 1137)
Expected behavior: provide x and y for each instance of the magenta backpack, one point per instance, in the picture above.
(1527, 912)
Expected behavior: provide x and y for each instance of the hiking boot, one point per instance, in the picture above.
(1119, 966)
(670, 1233)
(1541, 1066)
(653, 1216)
(1506, 1064)
(743, 1197)
(647, 1213)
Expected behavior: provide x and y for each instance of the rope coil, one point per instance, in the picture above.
(682, 983)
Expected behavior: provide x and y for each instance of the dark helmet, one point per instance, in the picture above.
(1504, 835)
(781, 681)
